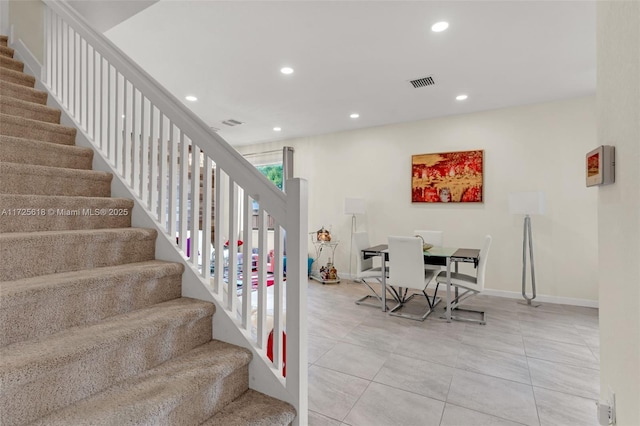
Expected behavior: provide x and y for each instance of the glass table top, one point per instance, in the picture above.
(440, 251)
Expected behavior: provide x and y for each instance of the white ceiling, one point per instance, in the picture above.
(358, 56)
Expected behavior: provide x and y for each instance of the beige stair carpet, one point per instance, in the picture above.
(28, 151)
(93, 329)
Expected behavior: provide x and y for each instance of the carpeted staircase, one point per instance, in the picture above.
(93, 329)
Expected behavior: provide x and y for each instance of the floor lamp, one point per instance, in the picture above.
(353, 206)
(527, 203)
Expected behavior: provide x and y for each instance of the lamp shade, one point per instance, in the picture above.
(354, 206)
(532, 202)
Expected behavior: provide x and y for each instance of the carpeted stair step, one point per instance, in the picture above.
(28, 151)
(30, 110)
(20, 127)
(44, 180)
(183, 391)
(33, 213)
(254, 409)
(3, 40)
(31, 254)
(41, 376)
(23, 92)
(6, 51)
(17, 77)
(39, 306)
(11, 64)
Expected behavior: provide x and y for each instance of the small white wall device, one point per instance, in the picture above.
(601, 166)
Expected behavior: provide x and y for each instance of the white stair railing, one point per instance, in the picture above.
(170, 160)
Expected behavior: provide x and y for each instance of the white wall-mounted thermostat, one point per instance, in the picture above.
(601, 166)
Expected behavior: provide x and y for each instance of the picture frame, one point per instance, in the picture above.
(600, 166)
(456, 177)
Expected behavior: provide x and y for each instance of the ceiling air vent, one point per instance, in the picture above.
(231, 122)
(422, 82)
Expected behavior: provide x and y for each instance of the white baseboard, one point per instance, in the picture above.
(544, 298)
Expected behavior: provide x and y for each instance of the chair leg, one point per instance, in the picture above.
(435, 300)
(362, 300)
(394, 312)
(455, 305)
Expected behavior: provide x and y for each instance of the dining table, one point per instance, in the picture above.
(440, 256)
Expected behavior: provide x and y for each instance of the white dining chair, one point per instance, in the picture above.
(436, 239)
(406, 272)
(470, 284)
(366, 271)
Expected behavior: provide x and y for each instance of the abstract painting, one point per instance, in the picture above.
(448, 177)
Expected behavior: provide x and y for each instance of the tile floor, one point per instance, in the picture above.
(527, 366)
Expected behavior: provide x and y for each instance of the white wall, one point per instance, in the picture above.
(535, 147)
(27, 18)
(4, 17)
(618, 106)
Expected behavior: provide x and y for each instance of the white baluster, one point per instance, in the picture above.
(262, 277)
(206, 218)
(184, 191)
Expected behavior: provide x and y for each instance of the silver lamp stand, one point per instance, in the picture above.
(352, 207)
(526, 237)
(354, 226)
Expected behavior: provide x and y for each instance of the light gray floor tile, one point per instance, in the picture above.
(551, 331)
(417, 376)
(374, 337)
(501, 322)
(319, 346)
(441, 351)
(596, 354)
(439, 331)
(459, 416)
(569, 309)
(492, 303)
(382, 405)
(577, 355)
(559, 409)
(332, 393)
(565, 378)
(380, 319)
(329, 328)
(439, 325)
(494, 363)
(588, 330)
(494, 340)
(497, 397)
(535, 314)
(355, 360)
(593, 341)
(317, 419)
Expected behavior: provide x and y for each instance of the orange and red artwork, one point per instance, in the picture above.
(593, 164)
(447, 177)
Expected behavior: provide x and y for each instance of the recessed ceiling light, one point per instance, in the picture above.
(354, 115)
(461, 97)
(277, 129)
(286, 70)
(439, 26)
(191, 98)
